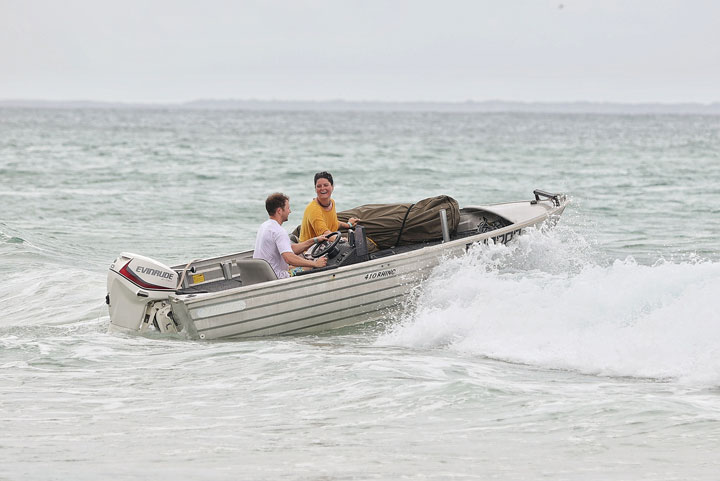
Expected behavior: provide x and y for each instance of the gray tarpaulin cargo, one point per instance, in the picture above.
(389, 225)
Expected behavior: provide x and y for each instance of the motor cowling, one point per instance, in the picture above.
(138, 288)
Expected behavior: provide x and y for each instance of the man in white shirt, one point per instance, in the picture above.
(273, 243)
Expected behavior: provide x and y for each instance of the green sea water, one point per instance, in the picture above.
(586, 352)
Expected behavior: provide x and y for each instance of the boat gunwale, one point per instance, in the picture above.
(313, 278)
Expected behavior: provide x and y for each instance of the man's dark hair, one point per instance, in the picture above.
(323, 175)
(275, 201)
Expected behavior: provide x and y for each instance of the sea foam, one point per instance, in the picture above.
(550, 301)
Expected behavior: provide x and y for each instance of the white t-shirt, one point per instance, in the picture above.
(271, 242)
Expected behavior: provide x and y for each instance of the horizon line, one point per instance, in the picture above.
(341, 100)
(470, 105)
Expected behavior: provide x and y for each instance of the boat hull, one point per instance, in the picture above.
(331, 299)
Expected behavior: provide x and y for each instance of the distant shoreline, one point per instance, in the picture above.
(490, 106)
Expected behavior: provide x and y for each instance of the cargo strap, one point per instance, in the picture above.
(402, 227)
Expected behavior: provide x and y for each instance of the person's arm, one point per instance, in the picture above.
(303, 246)
(352, 222)
(296, 260)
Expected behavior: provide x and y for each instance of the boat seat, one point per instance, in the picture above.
(253, 271)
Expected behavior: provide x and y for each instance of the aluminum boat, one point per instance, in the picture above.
(236, 296)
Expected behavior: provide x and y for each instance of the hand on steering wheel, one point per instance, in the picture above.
(325, 247)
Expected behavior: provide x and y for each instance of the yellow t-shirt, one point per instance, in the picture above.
(317, 220)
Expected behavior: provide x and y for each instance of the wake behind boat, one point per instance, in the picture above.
(236, 296)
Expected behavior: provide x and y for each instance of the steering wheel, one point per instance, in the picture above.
(327, 247)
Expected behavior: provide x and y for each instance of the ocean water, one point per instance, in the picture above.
(589, 351)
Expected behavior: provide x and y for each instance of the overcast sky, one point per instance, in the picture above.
(393, 50)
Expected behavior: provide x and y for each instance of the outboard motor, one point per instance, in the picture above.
(138, 291)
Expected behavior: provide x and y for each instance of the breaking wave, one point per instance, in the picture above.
(51, 295)
(548, 301)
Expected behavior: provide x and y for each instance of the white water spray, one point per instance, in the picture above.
(545, 301)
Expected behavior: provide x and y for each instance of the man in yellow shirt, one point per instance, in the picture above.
(320, 216)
